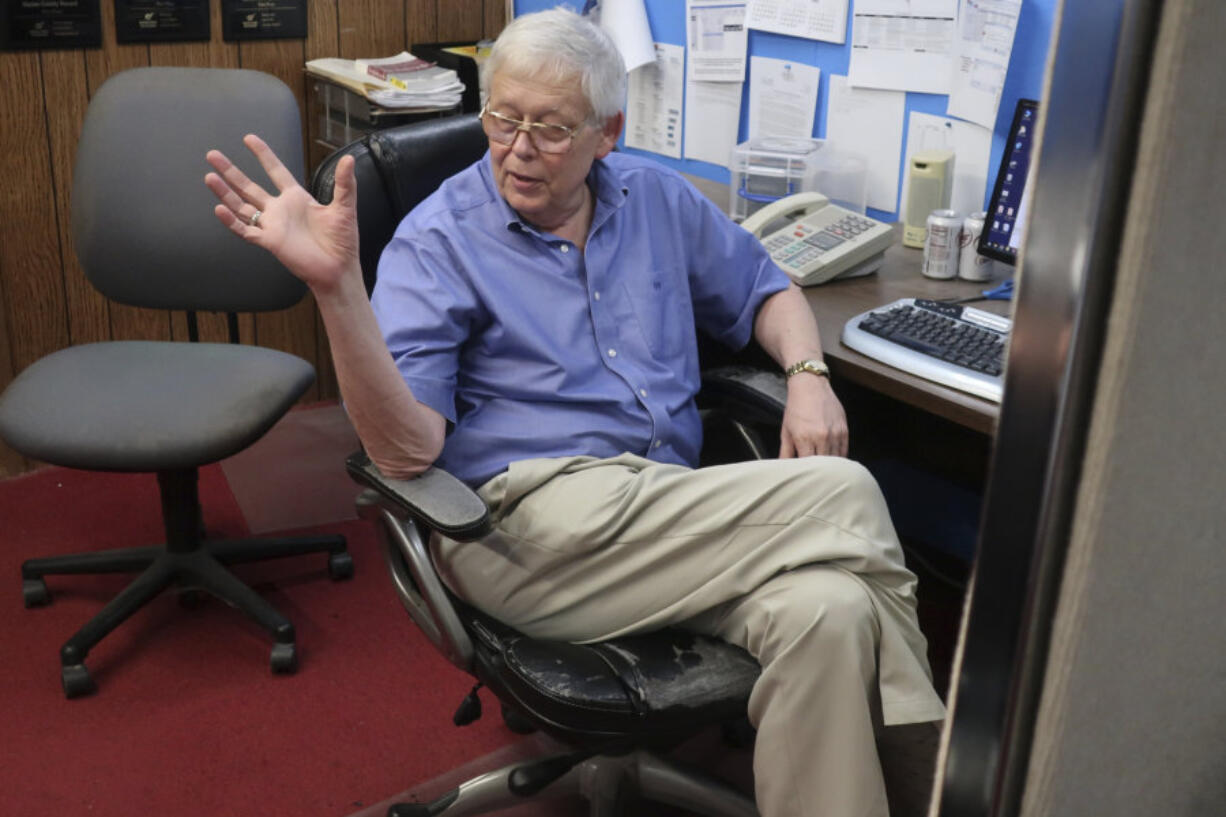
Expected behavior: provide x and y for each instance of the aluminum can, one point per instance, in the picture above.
(941, 245)
(971, 265)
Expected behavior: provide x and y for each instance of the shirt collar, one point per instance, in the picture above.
(606, 182)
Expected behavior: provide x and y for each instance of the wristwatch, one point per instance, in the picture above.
(811, 365)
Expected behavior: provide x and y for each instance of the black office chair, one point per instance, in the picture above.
(613, 703)
(146, 236)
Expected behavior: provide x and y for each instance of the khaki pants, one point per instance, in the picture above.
(794, 560)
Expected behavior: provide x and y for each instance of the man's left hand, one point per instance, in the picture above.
(813, 419)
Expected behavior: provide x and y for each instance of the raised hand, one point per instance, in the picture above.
(317, 243)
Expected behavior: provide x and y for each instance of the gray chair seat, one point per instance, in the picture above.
(143, 230)
(148, 406)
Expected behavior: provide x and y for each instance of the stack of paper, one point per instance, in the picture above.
(401, 81)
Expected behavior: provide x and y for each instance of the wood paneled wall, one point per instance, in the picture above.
(45, 301)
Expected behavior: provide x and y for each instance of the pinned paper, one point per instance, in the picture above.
(717, 40)
(985, 43)
(625, 21)
(712, 119)
(869, 122)
(813, 19)
(905, 46)
(782, 97)
(653, 102)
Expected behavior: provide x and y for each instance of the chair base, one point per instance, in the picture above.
(202, 567)
(611, 785)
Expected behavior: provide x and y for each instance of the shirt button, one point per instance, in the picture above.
(642, 392)
(656, 444)
(612, 353)
(596, 296)
(565, 248)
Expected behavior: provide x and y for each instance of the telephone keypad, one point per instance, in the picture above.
(822, 239)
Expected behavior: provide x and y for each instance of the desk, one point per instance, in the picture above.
(834, 303)
(927, 445)
(337, 116)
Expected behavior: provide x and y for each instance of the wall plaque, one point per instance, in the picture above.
(50, 24)
(263, 19)
(142, 21)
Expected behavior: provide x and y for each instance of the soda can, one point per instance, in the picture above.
(941, 245)
(971, 265)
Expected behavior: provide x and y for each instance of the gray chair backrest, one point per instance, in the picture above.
(142, 218)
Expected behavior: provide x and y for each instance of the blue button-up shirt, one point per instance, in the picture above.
(532, 347)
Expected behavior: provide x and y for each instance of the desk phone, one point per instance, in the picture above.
(821, 240)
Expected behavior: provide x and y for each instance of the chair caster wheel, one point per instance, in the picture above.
(340, 566)
(76, 681)
(284, 658)
(516, 722)
(34, 592)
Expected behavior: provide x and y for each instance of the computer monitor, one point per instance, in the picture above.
(1005, 222)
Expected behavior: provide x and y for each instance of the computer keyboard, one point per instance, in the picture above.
(956, 346)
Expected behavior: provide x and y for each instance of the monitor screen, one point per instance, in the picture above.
(1004, 224)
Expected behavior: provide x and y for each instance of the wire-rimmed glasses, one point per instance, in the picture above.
(545, 136)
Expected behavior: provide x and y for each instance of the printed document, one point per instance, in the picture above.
(782, 97)
(712, 119)
(903, 45)
(625, 21)
(811, 19)
(653, 102)
(985, 42)
(716, 36)
(869, 122)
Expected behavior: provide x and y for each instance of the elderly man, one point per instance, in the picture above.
(540, 310)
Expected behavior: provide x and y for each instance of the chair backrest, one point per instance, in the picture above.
(142, 218)
(397, 168)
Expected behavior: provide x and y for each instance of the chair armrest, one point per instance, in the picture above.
(403, 511)
(435, 497)
(745, 393)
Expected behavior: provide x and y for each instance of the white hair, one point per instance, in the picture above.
(560, 45)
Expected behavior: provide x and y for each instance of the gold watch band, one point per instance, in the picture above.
(812, 365)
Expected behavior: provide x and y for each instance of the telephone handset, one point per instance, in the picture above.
(821, 240)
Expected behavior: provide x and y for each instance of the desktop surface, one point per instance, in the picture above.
(838, 301)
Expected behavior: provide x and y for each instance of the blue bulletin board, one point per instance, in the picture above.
(1024, 78)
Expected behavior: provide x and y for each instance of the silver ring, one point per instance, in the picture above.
(254, 221)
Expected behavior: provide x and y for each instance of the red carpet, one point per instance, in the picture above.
(188, 720)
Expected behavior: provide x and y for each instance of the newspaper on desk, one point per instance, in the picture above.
(401, 81)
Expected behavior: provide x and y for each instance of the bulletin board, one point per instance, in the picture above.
(1024, 78)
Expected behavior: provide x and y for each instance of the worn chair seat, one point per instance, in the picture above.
(148, 405)
(660, 682)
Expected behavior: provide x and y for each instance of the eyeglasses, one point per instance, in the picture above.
(546, 137)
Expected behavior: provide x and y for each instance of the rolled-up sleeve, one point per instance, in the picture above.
(731, 274)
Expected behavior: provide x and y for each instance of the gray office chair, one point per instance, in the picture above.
(615, 704)
(145, 234)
